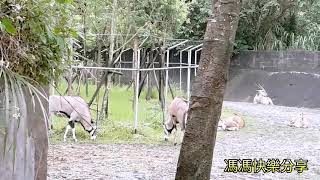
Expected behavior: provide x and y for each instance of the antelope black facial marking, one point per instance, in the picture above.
(71, 124)
(170, 130)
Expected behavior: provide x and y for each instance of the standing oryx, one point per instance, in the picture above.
(77, 110)
(262, 97)
(177, 114)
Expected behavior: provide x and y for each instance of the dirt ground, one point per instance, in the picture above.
(265, 136)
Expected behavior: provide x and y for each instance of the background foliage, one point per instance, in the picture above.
(264, 24)
(33, 37)
(37, 35)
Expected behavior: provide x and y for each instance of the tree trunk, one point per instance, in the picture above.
(105, 105)
(85, 48)
(161, 84)
(195, 160)
(70, 81)
(149, 89)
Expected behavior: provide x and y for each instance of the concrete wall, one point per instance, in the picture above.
(302, 61)
(291, 78)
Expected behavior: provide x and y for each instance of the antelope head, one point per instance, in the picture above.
(262, 91)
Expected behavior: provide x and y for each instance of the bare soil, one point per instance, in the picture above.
(265, 136)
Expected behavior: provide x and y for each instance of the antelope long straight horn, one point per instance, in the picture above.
(258, 85)
(261, 87)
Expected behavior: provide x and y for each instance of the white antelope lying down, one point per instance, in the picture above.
(233, 123)
(262, 97)
(177, 115)
(299, 122)
(77, 110)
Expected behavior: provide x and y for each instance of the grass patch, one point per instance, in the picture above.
(118, 127)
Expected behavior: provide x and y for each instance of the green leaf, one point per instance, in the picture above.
(60, 42)
(8, 26)
(73, 33)
(64, 1)
(56, 31)
(43, 39)
(60, 1)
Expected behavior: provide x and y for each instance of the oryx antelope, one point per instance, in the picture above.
(177, 114)
(299, 122)
(262, 97)
(232, 123)
(77, 110)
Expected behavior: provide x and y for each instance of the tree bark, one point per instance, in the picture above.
(85, 47)
(70, 81)
(149, 89)
(162, 83)
(195, 160)
(105, 105)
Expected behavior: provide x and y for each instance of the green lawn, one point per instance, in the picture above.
(118, 127)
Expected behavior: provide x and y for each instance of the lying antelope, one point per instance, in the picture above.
(177, 114)
(299, 122)
(233, 123)
(77, 110)
(262, 97)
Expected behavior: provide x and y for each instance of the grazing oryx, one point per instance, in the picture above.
(177, 114)
(232, 123)
(299, 122)
(77, 110)
(262, 97)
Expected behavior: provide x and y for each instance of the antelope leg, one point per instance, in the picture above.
(72, 125)
(175, 138)
(66, 132)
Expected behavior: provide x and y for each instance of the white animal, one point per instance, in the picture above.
(177, 114)
(262, 97)
(233, 123)
(299, 122)
(77, 110)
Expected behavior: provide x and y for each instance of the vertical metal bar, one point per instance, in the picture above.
(181, 53)
(166, 83)
(120, 61)
(189, 72)
(196, 61)
(137, 93)
(180, 76)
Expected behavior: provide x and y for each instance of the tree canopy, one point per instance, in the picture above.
(33, 36)
(264, 24)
